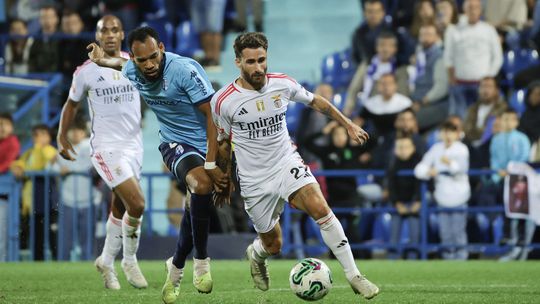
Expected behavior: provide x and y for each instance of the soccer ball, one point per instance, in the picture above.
(310, 279)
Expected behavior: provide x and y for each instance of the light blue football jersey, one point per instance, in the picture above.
(174, 99)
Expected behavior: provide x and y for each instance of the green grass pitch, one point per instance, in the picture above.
(400, 282)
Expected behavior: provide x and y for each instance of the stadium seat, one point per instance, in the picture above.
(294, 111)
(381, 227)
(187, 40)
(338, 70)
(164, 29)
(339, 100)
(518, 102)
(516, 61)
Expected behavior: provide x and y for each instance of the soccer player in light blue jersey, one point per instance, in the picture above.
(177, 89)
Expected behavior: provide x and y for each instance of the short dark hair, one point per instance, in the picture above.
(366, 2)
(492, 79)
(41, 127)
(408, 110)
(141, 34)
(252, 40)
(387, 35)
(449, 126)
(7, 116)
(510, 111)
(68, 12)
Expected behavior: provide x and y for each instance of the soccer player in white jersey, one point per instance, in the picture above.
(250, 112)
(117, 151)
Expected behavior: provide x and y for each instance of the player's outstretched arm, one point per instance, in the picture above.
(68, 114)
(97, 55)
(324, 106)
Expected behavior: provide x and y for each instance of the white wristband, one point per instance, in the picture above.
(210, 165)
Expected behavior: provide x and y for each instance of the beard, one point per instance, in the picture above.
(256, 79)
(159, 74)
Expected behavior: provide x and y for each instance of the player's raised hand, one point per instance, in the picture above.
(356, 133)
(65, 147)
(95, 53)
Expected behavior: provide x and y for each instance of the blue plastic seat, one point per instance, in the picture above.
(164, 30)
(338, 70)
(187, 40)
(294, 112)
(516, 61)
(518, 102)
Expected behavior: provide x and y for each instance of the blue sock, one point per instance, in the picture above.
(185, 242)
(200, 219)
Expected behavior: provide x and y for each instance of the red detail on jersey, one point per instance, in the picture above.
(280, 76)
(228, 91)
(79, 68)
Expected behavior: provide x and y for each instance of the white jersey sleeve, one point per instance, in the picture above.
(298, 92)
(79, 87)
(219, 113)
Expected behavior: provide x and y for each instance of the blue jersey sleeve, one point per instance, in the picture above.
(195, 83)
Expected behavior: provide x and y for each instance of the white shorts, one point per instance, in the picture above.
(116, 166)
(265, 202)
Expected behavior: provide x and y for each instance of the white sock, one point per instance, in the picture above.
(259, 253)
(334, 237)
(113, 240)
(131, 232)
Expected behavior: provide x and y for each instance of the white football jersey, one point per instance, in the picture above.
(255, 122)
(114, 104)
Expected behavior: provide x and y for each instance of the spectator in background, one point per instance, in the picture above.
(365, 36)
(44, 53)
(312, 122)
(36, 158)
(76, 196)
(404, 191)
(402, 13)
(382, 109)
(72, 50)
(339, 154)
(405, 124)
(472, 52)
(17, 53)
(429, 79)
(9, 150)
(26, 10)
(208, 17)
(509, 145)
(506, 15)
(482, 113)
(424, 13)
(530, 120)
(446, 15)
(447, 162)
(241, 14)
(367, 74)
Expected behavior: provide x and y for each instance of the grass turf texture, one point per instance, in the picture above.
(400, 282)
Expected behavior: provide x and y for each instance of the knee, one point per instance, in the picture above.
(320, 210)
(203, 185)
(136, 206)
(274, 247)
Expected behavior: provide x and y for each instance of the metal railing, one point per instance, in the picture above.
(12, 187)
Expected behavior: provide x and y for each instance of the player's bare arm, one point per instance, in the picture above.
(97, 55)
(68, 114)
(224, 162)
(324, 106)
(216, 174)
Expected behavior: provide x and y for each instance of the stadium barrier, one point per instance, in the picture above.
(291, 232)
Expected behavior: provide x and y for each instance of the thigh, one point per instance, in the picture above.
(180, 159)
(263, 208)
(295, 176)
(310, 199)
(129, 192)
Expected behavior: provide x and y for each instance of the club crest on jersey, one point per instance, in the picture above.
(116, 75)
(260, 105)
(277, 100)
